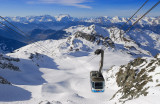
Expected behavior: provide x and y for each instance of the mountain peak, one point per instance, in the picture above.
(63, 17)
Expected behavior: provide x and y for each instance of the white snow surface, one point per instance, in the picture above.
(92, 29)
(59, 74)
(63, 17)
(128, 44)
(61, 78)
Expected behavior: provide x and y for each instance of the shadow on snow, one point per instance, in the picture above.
(12, 93)
(29, 75)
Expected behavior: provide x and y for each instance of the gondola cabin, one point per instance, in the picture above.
(97, 81)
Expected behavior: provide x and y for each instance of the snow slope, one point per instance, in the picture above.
(59, 77)
(147, 40)
(123, 42)
(57, 71)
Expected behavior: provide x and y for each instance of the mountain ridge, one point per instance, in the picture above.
(68, 18)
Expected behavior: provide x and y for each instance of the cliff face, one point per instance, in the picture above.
(136, 78)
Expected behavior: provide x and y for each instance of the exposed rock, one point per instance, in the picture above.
(106, 41)
(4, 81)
(36, 55)
(6, 63)
(134, 77)
(157, 56)
(36, 58)
(50, 102)
(8, 58)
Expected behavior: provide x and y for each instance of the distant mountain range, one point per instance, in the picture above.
(68, 18)
(62, 21)
(54, 27)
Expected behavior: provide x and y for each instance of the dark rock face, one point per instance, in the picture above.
(35, 56)
(106, 41)
(134, 77)
(50, 102)
(4, 81)
(6, 63)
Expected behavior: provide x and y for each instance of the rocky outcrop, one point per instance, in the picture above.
(6, 63)
(136, 78)
(4, 81)
(35, 57)
(50, 102)
(106, 41)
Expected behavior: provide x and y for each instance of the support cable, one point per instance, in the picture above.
(42, 48)
(136, 21)
(12, 25)
(142, 17)
(132, 16)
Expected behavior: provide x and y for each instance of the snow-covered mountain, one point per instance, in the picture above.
(146, 40)
(63, 18)
(68, 18)
(135, 42)
(57, 71)
(45, 22)
(56, 74)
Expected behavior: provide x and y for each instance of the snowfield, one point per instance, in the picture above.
(61, 78)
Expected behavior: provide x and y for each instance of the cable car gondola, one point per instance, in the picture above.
(96, 77)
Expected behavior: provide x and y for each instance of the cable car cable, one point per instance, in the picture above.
(133, 15)
(25, 35)
(142, 17)
(43, 48)
(138, 20)
(10, 28)
(11, 24)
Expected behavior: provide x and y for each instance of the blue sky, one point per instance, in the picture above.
(76, 8)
